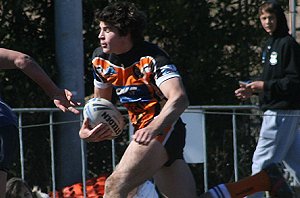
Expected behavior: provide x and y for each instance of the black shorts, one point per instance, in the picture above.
(176, 142)
(9, 141)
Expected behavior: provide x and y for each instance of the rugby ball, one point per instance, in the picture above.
(100, 110)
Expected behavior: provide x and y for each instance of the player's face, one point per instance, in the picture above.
(111, 41)
(268, 22)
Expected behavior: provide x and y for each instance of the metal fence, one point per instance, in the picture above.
(232, 111)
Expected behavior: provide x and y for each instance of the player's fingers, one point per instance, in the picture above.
(100, 136)
(61, 107)
(73, 110)
(147, 139)
(68, 94)
(143, 138)
(136, 137)
(106, 136)
(74, 103)
(140, 137)
(101, 126)
(100, 133)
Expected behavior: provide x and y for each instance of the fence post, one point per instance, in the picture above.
(235, 158)
(21, 146)
(52, 153)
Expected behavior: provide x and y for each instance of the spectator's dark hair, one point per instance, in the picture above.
(126, 17)
(274, 8)
(14, 186)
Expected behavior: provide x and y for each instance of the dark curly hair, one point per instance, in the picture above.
(126, 17)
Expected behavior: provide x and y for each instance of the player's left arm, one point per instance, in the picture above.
(177, 102)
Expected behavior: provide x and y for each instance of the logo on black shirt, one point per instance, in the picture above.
(273, 58)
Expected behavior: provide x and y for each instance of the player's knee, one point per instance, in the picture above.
(109, 185)
(114, 186)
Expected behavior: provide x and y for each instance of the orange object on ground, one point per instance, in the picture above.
(94, 189)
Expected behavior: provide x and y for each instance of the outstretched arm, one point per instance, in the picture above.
(10, 59)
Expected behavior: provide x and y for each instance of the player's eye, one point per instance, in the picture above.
(106, 30)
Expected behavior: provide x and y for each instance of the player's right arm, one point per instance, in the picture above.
(102, 89)
(105, 93)
(98, 133)
(101, 131)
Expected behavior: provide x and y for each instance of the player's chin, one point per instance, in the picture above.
(106, 50)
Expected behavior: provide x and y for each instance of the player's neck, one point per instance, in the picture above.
(125, 46)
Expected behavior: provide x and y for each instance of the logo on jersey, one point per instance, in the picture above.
(125, 90)
(109, 71)
(167, 70)
(273, 58)
(137, 72)
(142, 73)
(99, 69)
(106, 72)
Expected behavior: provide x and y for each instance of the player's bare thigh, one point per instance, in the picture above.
(140, 162)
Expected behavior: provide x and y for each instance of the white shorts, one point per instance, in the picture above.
(146, 190)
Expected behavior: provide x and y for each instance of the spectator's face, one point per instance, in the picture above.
(25, 193)
(268, 22)
(111, 41)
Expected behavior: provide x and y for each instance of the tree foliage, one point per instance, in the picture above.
(214, 44)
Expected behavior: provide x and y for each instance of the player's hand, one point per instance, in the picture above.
(63, 101)
(144, 135)
(98, 133)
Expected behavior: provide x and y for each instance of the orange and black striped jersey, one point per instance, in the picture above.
(136, 76)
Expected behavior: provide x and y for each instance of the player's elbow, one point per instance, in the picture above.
(184, 101)
(187, 101)
(22, 61)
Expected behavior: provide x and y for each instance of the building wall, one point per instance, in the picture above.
(297, 19)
